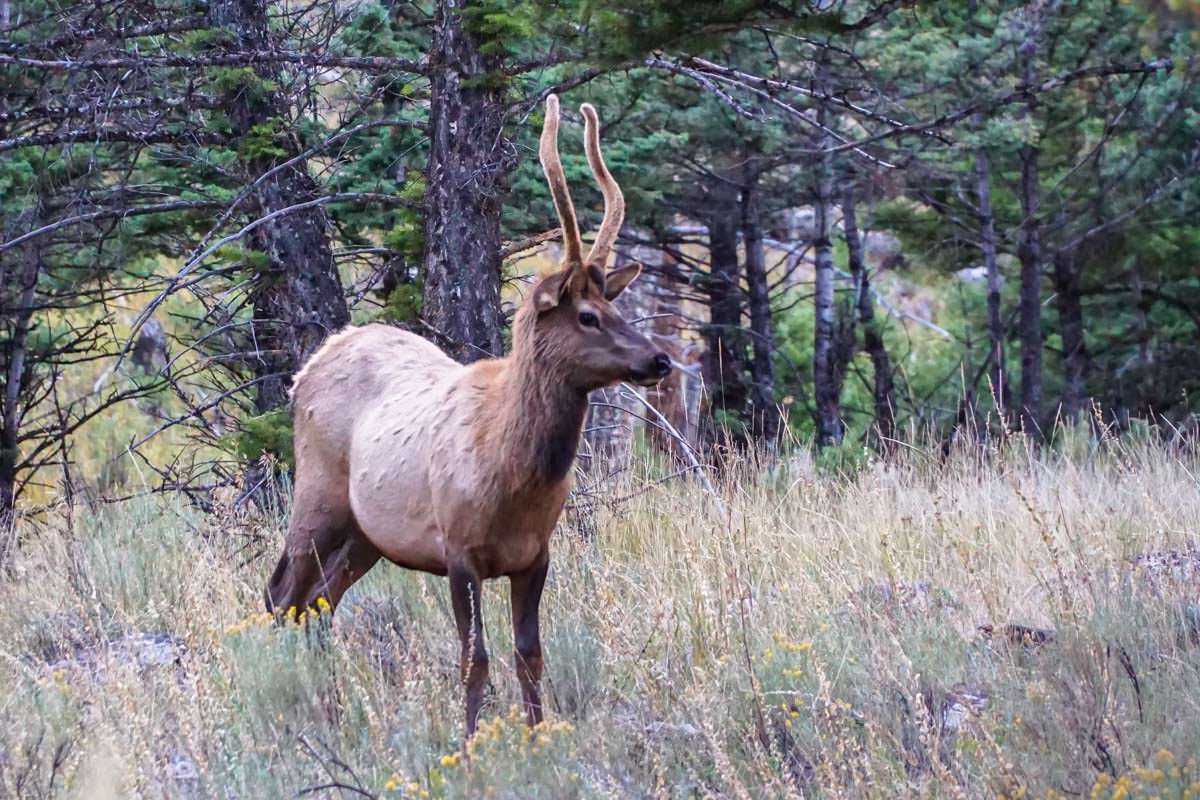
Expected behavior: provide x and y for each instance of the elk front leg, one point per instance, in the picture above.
(526, 598)
(465, 596)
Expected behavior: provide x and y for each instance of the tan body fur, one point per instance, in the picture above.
(442, 455)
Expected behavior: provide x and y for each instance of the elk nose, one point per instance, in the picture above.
(662, 365)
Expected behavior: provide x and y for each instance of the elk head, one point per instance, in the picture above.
(576, 324)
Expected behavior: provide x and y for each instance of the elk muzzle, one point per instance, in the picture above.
(650, 372)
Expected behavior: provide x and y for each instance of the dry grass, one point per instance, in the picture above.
(823, 640)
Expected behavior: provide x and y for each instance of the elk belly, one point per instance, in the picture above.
(392, 507)
(391, 493)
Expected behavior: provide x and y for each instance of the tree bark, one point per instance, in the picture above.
(884, 388)
(764, 424)
(469, 164)
(1030, 255)
(297, 293)
(1141, 319)
(1126, 396)
(1070, 322)
(826, 394)
(19, 271)
(987, 245)
(677, 397)
(724, 358)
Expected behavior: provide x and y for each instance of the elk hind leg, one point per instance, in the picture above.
(325, 554)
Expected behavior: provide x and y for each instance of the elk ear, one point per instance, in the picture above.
(617, 279)
(551, 291)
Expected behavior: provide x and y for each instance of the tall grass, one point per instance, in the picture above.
(1022, 625)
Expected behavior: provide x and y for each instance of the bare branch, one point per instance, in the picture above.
(109, 213)
(381, 64)
(529, 242)
(106, 134)
(92, 107)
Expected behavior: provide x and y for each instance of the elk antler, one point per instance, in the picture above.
(552, 166)
(614, 201)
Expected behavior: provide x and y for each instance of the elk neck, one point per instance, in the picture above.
(542, 412)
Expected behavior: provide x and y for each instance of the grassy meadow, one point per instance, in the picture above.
(1019, 625)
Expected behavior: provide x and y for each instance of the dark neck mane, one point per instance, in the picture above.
(545, 412)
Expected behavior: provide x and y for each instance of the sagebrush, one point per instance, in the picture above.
(1001, 623)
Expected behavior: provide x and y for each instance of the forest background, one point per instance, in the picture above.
(915, 515)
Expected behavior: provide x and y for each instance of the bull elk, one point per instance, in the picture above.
(462, 471)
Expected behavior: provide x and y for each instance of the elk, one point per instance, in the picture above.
(462, 471)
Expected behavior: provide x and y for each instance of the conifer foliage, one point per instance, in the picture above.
(860, 216)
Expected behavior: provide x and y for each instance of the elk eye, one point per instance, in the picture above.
(589, 320)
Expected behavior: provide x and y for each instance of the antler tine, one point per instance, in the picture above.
(614, 201)
(557, 179)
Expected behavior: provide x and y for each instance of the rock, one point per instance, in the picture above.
(664, 730)
(881, 250)
(1014, 633)
(181, 769)
(1169, 569)
(143, 651)
(972, 276)
(961, 703)
(150, 350)
(797, 224)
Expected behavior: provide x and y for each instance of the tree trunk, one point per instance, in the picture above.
(724, 358)
(300, 302)
(1070, 322)
(845, 326)
(1030, 255)
(469, 163)
(19, 270)
(1141, 319)
(987, 244)
(297, 293)
(884, 388)
(1136, 394)
(826, 395)
(764, 424)
(677, 397)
